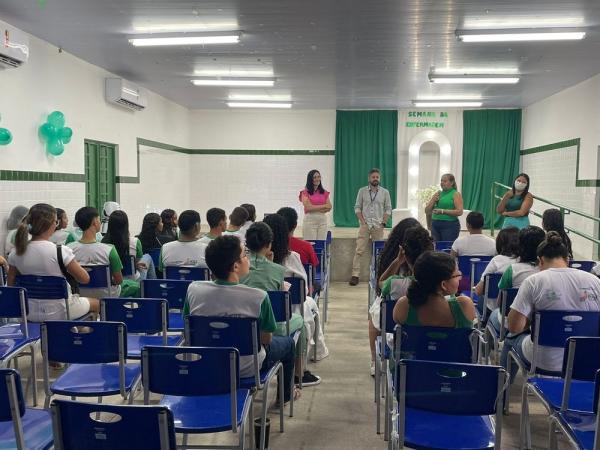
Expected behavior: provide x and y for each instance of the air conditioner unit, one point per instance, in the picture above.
(125, 94)
(14, 46)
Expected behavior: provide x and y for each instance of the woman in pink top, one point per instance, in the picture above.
(316, 203)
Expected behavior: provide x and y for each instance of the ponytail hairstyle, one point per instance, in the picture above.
(117, 234)
(41, 218)
(553, 247)
(552, 220)
(280, 244)
(430, 269)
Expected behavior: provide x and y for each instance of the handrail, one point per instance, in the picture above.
(562, 208)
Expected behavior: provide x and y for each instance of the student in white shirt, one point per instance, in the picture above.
(475, 243)
(251, 217)
(217, 221)
(237, 219)
(507, 247)
(555, 287)
(187, 250)
(39, 256)
(61, 234)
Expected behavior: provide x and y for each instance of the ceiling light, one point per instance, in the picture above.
(185, 27)
(260, 97)
(233, 73)
(473, 79)
(446, 104)
(520, 34)
(526, 21)
(185, 40)
(234, 82)
(259, 105)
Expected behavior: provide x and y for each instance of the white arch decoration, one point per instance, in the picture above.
(413, 163)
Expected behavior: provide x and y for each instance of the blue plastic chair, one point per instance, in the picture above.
(376, 248)
(80, 425)
(443, 246)
(146, 320)
(586, 266)
(18, 339)
(129, 267)
(505, 297)
(581, 428)
(477, 269)
(551, 329)
(445, 405)
(100, 281)
(382, 355)
(174, 292)
(95, 352)
(186, 273)
(21, 428)
(322, 271)
(47, 288)
(490, 292)
(574, 390)
(155, 255)
(242, 334)
(465, 265)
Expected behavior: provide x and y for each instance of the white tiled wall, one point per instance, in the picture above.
(552, 176)
(68, 196)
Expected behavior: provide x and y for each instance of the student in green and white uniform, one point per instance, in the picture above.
(516, 203)
(217, 221)
(61, 234)
(187, 250)
(514, 275)
(445, 207)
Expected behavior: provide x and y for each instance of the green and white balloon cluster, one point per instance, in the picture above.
(55, 134)
(5, 136)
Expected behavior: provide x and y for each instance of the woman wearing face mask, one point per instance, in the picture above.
(516, 203)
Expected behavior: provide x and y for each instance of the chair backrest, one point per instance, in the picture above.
(173, 291)
(581, 361)
(491, 285)
(155, 255)
(450, 388)
(506, 298)
(376, 248)
(12, 405)
(477, 269)
(186, 273)
(82, 342)
(140, 315)
(241, 333)
(44, 287)
(281, 305)
(465, 263)
(586, 266)
(435, 344)
(13, 303)
(386, 318)
(80, 425)
(297, 290)
(100, 277)
(2, 276)
(310, 275)
(129, 266)
(441, 246)
(553, 328)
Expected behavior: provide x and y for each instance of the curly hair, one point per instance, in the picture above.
(280, 245)
(392, 245)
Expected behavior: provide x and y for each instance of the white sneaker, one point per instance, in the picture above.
(372, 368)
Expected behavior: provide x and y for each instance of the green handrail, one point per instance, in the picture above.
(562, 208)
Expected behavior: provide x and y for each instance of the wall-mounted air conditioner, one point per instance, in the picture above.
(14, 46)
(125, 94)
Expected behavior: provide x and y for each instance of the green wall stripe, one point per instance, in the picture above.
(554, 146)
(26, 175)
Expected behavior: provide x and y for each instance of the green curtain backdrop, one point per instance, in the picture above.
(363, 140)
(491, 143)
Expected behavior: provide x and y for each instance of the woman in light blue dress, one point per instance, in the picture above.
(516, 203)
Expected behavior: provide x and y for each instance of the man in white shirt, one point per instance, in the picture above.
(217, 221)
(187, 250)
(237, 219)
(475, 243)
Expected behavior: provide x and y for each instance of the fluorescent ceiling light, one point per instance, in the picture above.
(258, 105)
(473, 79)
(260, 98)
(234, 72)
(185, 27)
(446, 104)
(530, 21)
(475, 70)
(518, 35)
(185, 40)
(234, 82)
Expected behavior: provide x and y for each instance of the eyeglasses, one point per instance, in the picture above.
(458, 275)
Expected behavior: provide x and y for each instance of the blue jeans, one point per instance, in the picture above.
(513, 343)
(281, 349)
(149, 273)
(443, 230)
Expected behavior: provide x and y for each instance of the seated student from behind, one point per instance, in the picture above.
(475, 243)
(217, 221)
(88, 252)
(425, 304)
(251, 217)
(39, 256)
(187, 250)
(300, 246)
(225, 296)
(237, 219)
(555, 287)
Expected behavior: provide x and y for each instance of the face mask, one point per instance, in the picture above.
(519, 186)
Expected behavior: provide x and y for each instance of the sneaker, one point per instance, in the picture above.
(372, 368)
(308, 379)
(353, 281)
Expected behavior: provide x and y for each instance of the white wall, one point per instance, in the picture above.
(569, 114)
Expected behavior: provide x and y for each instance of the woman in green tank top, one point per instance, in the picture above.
(516, 203)
(445, 207)
(426, 304)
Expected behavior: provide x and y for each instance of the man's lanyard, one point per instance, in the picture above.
(373, 197)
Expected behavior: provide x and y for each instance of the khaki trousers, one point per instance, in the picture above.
(362, 240)
(314, 226)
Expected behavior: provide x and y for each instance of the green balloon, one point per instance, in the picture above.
(55, 147)
(65, 135)
(56, 119)
(5, 136)
(48, 132)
